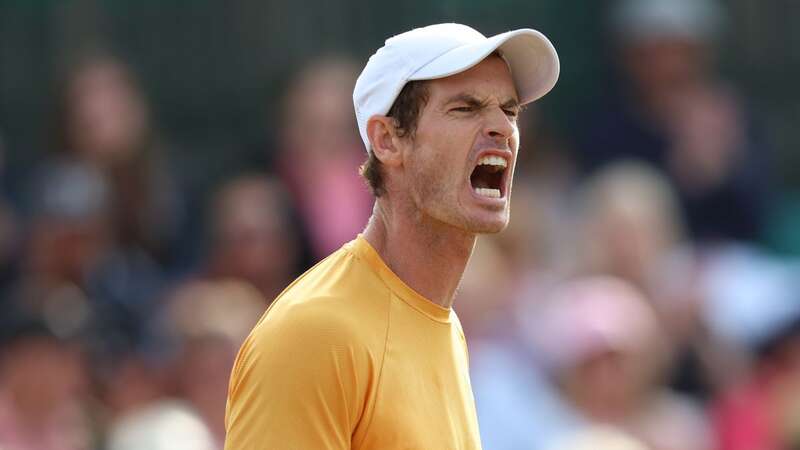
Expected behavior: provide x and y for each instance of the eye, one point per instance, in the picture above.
(511, 112)
(462, 109)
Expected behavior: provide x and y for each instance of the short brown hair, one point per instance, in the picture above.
(405, 110)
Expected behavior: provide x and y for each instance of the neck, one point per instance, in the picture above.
(428, 256)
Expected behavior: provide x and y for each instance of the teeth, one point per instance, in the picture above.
(488, 192)
(493, 161)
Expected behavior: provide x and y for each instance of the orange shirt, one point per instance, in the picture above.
(350, 357)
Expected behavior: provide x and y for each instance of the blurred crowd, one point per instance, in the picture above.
(628, 305)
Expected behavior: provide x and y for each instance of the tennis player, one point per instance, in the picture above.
(364, 351)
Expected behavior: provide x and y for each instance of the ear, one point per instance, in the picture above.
(382, 133)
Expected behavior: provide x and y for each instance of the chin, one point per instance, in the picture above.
(475, 221)
(487, 226)
(490, 229)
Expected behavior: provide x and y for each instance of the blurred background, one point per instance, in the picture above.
(166, 168)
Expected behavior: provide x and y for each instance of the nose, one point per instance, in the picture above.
(499, 127)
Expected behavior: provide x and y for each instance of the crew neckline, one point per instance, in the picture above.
(363, 249)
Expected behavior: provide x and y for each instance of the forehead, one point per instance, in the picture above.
(489, 78)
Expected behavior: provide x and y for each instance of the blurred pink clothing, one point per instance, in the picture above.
(65, 428)
(332, 198)
(743, 418)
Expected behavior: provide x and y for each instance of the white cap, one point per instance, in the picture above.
(445, 49)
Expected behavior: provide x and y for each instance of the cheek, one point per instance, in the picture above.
(439, 159)
(426, 168)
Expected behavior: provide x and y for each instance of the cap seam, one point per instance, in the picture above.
(427, 63)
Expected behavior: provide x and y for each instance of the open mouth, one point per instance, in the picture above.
(487, 177)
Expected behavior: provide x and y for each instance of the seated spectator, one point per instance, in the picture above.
(209, 322)
(204, 322)
(319, 154)
(251, 258)
(68, 234)
(602, 344)
(43, 388)
(591, 353)
(72, 271)
(629, 225)
(761, 411)
(103, 121)
(252, 239)
(672, 111)
(178, 402)
(755, 304)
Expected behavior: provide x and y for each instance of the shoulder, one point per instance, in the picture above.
(338, 299)
(309, 343)
(316, 329)
(337, 307)
(328, 318)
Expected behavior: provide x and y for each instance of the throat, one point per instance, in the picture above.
(430, 261)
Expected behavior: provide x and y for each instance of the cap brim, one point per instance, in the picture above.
(531, 57)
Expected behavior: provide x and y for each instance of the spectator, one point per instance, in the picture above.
(590, 353)
(182, 404)
(209, 321)
(629, 226)
(252, 237)
(253, 255)
(674, 112)
(320, 150)
(103, 121)
(43, 385)
(73, 271)
(601, 342)
(761, 410)
(68, 235)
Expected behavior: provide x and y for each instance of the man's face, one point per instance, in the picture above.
(461, 161)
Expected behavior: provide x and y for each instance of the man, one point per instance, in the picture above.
(363, 351)
(671, 109)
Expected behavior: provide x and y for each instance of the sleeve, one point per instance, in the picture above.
(299, 382)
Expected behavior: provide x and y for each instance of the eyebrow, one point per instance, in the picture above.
(469, 99)
(511, 103)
